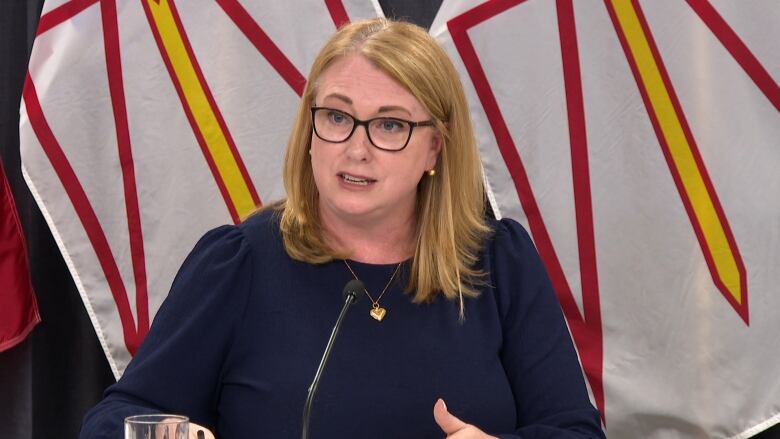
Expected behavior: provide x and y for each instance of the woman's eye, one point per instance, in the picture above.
(337, 117)
(390, 125)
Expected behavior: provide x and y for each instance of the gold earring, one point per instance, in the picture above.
(431, 172)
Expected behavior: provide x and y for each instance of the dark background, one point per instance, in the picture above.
(49, 381)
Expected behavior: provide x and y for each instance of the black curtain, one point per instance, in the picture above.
(49, 381)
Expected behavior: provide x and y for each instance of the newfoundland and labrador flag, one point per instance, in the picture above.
(637, 140)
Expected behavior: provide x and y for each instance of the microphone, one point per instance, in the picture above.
(353, 291)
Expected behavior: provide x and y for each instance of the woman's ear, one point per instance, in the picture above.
(433, 156)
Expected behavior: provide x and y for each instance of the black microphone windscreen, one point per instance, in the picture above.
(356, 289)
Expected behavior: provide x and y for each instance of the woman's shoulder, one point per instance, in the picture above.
(264, 220)
(515, 270)
(508, 238)
(261, 229)
(235, 242)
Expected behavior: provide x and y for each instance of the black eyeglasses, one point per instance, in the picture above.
(385, 133)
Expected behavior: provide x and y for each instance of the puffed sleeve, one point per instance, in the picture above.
(537, 351)
(178, 366)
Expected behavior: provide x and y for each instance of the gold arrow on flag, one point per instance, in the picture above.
(207, 122)
(682, 155)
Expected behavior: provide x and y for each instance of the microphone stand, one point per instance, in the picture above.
(353, 291)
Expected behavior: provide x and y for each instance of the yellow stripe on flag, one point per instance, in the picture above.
(716, 242)
(202, 112)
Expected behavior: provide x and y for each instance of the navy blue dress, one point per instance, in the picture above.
(236, 344)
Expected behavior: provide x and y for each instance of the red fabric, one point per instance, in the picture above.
(18, 308)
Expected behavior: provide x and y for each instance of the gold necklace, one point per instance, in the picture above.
(377, 312)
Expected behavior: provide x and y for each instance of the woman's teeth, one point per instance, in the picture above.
(355, 180)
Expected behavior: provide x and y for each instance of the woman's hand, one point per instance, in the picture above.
(195, 428)
(454, 427)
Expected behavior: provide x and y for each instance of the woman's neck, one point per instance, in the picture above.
(387, 242)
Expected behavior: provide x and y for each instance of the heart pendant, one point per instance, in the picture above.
(378, 313)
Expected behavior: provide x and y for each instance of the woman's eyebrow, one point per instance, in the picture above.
(340, 97)
(382, 109)
(388, 108)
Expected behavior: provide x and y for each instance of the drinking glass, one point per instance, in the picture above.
(158, 426)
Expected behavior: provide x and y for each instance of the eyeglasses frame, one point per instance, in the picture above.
(364, 124)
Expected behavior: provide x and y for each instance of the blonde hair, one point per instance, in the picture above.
(451, 226)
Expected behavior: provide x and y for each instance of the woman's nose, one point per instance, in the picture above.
(359, 145)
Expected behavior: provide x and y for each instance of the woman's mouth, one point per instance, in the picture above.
(354, 179)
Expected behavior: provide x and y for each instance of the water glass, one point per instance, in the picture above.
(157, 426)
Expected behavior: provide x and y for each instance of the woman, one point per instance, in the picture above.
(384, 185)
